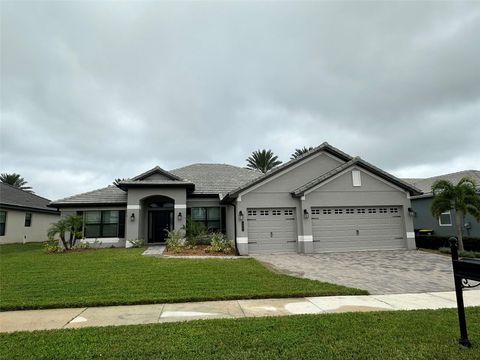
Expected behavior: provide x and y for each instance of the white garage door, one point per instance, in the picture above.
(357, 228)
(271, 230)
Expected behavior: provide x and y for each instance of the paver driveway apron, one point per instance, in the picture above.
(379, 272)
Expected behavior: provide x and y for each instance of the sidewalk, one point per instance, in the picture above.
(29, 320)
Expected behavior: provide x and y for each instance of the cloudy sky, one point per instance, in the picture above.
(92, 91)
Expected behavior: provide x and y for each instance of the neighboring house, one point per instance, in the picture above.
(445, 225)
(325, 200)
(24, 217)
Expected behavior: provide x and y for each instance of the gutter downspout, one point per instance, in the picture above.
(235, 228)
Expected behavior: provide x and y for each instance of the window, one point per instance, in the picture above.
(276, 212)
(360, 211)
(28, 219)
(445, 219)
(382, 210)
(3, 221)
(338, 211)
(393, 210)
(263, 212)
(316, 211)
(349, 211)
(356, 178)
(372, 211)
(252, 212)
(211, 217)
(104, 223)
(288, 212)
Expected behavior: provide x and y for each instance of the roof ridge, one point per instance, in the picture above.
(153, 170)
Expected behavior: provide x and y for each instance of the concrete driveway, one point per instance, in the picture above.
(379, 272)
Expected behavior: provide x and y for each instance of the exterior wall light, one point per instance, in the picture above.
(412, 212)
(179, 216)
(240, 215)
(306, 215)
(132, 217)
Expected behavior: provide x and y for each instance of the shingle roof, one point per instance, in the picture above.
(13, 197)
(156, 170)
(361, 163)
(425, 184)
(107, 195)
(215, 178)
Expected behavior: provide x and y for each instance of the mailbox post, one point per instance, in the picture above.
(463, 270)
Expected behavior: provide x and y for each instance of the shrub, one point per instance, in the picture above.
(51, 246)
(175, 242)
(468, 254)
(196, 233)
(137, 243)
(218, 243)
(436, 242)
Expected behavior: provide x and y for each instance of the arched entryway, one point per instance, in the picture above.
(159, 212)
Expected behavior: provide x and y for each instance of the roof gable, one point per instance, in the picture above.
(358, 162)
(324, 147)
(157, 173)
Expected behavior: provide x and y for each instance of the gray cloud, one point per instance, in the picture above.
(91, 91)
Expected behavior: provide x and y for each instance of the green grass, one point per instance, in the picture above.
(31, 279)
(430, 334)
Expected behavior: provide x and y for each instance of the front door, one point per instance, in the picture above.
(158, 223)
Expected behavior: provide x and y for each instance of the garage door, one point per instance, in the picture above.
(271, 230)
(357, 228)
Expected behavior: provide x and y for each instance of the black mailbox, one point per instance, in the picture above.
(464, 269)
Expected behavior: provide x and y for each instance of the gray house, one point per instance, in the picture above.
(445, 225)
(24, 217)
(325, 200)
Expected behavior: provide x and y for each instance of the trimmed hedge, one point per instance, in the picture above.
(436, 242)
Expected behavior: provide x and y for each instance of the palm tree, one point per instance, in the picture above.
(462, 198)
(299, 152)
(116, 182)
(263, 160)
(71, 224)
(15, 180)
(59, 228)
(75, 224)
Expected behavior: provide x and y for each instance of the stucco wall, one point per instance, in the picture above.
(17, 232)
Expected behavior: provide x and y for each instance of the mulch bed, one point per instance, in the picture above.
(199, 250)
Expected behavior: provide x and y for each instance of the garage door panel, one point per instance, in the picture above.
(271, 230)
(366, 228)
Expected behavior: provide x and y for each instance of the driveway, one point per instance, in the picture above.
(379, 272)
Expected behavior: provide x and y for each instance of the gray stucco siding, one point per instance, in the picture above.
(299, 174)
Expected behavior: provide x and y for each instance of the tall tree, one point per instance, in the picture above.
(462, 198)
(299, 152)
(263, 160)
(15, 180)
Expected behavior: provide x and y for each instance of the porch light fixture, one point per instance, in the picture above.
(132, 217)
(179, 216)
(412, 212)
(240, 215)
(305, 214)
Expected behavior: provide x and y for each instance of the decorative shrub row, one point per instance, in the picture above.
(437, 242)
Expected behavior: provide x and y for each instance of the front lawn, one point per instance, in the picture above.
(430, 334)
(31, 279)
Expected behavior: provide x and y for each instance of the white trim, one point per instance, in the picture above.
(305, 238)
(288, 169)
(242, 240)
(440, 218)
(112, 240)
(303, 198)
(346, 171)
(410, 235)
(180, 206)
(133, 207)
